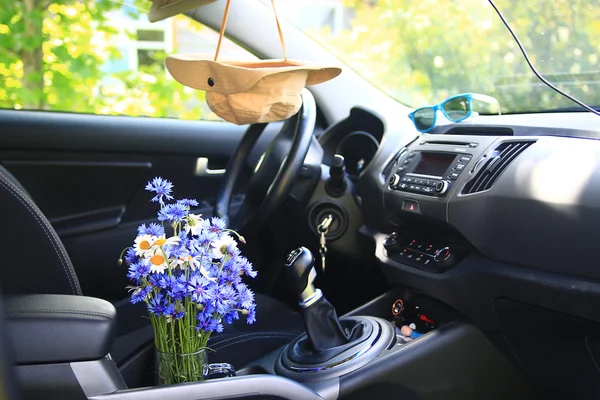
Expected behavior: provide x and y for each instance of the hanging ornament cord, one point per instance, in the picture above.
(224, 23)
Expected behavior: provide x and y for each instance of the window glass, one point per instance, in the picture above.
(100, 57)
(421, 52)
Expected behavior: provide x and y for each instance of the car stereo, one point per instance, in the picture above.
(427, 172)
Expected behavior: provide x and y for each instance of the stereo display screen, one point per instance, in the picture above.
(434, 164)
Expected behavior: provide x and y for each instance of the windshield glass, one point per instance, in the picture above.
(422, 51)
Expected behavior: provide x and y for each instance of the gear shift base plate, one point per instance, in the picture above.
(379, 334)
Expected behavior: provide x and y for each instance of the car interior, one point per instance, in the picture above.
(458, 263)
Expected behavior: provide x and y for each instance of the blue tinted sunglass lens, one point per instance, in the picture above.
(424, 118)
(457, 108)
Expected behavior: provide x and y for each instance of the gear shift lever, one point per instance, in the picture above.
(329, 347)
(301, 273)
(320, 319)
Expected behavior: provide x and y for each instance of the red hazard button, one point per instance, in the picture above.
(411, 206)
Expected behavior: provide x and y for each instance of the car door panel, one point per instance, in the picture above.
(87, 174)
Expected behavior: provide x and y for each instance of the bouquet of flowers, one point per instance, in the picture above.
(190, 280)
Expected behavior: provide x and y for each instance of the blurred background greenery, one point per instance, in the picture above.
(423, 51)
(53, 53)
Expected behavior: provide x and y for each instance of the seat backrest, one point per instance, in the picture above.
(33, 259)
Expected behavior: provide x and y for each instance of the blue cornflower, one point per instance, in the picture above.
(143, 268)
(165, 282)
(172, 212)
(162, 188)
(214, 225)
(196, 248)
(172, 313)
(206, 237)
(130, 256)
(251, 315)
(199, 288)
(246, 267)
(153, 229)
(229, 277)
(133, 273)
(157, 305)
(207, 321)
(139, 270)
(177, 250)
(155, 280)
(246, 296)
(221, 298)
(215, 325)
(211, 267)
(231, 316)
(140, 294)
(188, 202)
(178, 287)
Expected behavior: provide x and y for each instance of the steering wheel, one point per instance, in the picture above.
(275, 173)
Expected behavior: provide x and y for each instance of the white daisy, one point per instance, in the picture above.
(158, 263)
(142, 245)
(161, 241)
(223, 246)
(193, 224)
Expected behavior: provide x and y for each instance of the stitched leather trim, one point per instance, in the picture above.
(47, 229)
(257, 337)
(59, 311)
(216, 340)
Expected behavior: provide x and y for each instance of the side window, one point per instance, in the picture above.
(100, 57)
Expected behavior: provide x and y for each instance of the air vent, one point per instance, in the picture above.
(495, 165)
(393, 163)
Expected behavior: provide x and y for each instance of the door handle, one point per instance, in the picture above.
(203, 170)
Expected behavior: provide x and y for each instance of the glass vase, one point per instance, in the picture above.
(173, 368)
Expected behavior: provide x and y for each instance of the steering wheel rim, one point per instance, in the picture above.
(297, 130)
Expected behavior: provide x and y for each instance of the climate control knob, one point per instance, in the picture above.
(442, 254)
(394, 180)
(392, 242)
(442, 187)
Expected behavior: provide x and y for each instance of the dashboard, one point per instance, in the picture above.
(499, 219)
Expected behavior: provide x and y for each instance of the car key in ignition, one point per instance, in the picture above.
(322, 230)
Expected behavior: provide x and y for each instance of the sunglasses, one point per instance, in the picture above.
(455, 109)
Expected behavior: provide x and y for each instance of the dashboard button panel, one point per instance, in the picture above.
(433, 256)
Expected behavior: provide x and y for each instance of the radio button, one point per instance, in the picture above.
(407, 161)
(421, 181)
(408, 180)
(417, 188)
(454, 175)
(431, 183)
(412, 154)
(428, 189)
(459, 166)
(465, 159)
(402, 186)
(400, 169)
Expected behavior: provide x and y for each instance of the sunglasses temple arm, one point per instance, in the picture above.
(487, 99)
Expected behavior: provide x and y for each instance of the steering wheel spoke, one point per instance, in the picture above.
(272, 181)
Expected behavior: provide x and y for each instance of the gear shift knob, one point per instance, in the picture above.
(301, 273)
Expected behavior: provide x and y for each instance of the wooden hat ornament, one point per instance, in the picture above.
(163, 9)
(248, 92)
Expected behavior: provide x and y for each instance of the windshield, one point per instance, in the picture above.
(422, 51)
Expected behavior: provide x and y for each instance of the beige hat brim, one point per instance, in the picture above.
(199, 71)
(163, 9)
